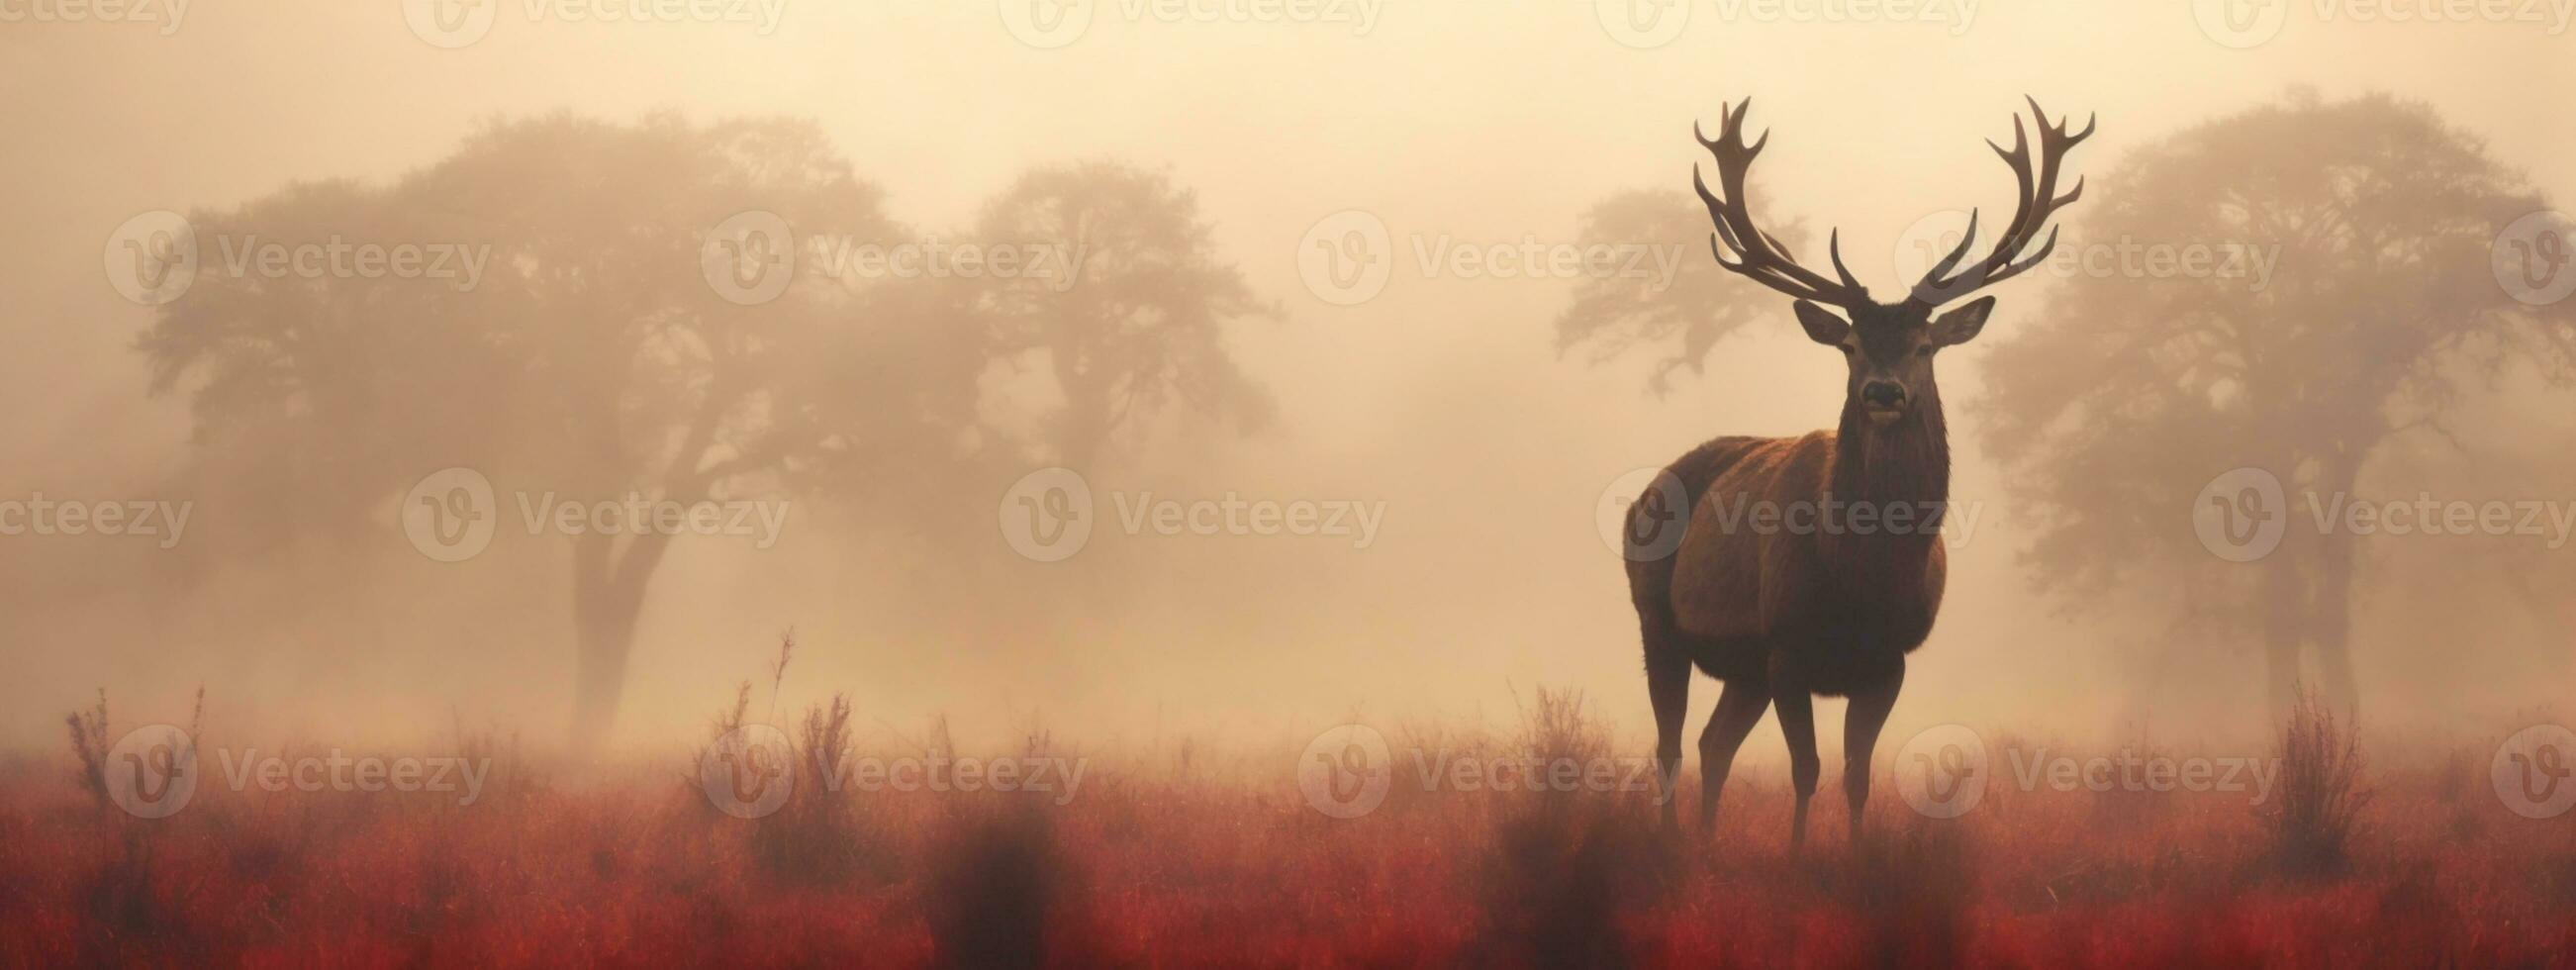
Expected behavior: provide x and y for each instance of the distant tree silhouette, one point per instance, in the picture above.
(594, 357)
(2115, 405)
(1614, 315)
(1141, 327)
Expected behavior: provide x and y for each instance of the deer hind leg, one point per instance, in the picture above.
(1862, 721)
(1739, 708)
(1668, 673)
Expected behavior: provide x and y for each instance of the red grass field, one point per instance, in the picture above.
(1163, 862)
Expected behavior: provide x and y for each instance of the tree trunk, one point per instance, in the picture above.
(2331, 616)
(2284, 609)
(608, 598)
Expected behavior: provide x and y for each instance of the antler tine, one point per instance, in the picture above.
(2035, 173)
(1759, 256)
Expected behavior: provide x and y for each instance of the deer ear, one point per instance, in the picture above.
(1822, 327)
(1962, 325)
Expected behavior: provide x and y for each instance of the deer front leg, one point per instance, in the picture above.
(1862, 721)
(1739, 708)
(1798, 723)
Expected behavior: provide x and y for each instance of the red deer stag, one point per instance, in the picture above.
(1813, 565)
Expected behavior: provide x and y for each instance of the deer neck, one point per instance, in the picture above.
(1901, 469)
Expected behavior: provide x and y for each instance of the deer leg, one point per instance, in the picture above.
(1798, 723)
(1862, 721)
(1739, 708)
(1668, 672)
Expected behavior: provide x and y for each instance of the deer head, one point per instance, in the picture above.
(1889, 346)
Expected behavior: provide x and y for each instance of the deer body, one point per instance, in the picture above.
(1813, 565)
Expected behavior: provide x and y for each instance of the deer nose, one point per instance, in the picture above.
(1882, 394)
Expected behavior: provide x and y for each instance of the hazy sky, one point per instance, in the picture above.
(1482, 123)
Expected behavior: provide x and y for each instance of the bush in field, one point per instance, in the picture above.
(2321, 796)
(1565, 862)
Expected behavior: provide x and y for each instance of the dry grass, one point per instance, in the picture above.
(1213, 858)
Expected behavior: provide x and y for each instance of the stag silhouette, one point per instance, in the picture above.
(1813, 565)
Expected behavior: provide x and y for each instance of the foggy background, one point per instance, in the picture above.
(1447, 399)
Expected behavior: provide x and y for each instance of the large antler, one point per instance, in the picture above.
(1759, 256)
(2038, 202)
